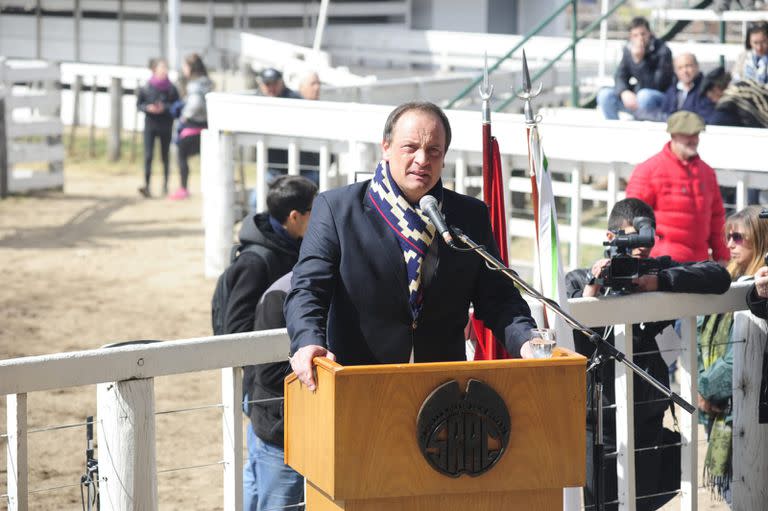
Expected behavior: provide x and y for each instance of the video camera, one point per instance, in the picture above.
(624, 269)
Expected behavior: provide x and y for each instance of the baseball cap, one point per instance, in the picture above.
(270, 75)
(685, 123)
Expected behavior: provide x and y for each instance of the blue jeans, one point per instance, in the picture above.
(268, 483)
(649, 104)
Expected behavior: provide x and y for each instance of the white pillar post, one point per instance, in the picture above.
(573, 256)
(460, 174)
(293, 158)
(174, 22)
(217, 161)
(261, 174)
(232, 441)
(16, 453)
(126, 440)
(689, 423)
(325, 166)
(625, 421)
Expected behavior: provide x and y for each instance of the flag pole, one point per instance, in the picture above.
(527, 94)
(486, 92)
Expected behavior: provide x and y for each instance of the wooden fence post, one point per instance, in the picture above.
(126, 440)
(18, 467)
(232, 440)
(115, 118)
(750, 437)
(4, 170)
(92, 132)
(77, 87)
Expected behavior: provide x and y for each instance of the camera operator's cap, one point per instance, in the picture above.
(685, 123)
(270, 75)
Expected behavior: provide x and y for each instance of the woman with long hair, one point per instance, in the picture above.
(747, 239)
(193, 117)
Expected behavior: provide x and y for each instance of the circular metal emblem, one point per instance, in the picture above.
(463, 433)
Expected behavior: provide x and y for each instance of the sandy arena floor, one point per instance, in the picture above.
(97, 264)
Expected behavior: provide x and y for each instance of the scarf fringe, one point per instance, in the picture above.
(718, 485)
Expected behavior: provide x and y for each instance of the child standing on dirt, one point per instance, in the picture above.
(155, 100)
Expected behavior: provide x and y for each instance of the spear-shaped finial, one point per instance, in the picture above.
(526, 76)
(486, 91)
(528, 93)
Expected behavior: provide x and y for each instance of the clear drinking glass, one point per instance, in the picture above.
(542, 342)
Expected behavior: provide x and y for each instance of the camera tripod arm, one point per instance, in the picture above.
(607, 349)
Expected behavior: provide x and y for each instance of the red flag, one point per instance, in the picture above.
(487, 347)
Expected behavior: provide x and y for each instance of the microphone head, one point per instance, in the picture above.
(427, 201)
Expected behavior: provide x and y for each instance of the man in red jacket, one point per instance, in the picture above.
(684, 195)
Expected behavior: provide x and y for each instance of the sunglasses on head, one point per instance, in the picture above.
(737, 237)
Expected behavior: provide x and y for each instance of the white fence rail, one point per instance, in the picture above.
(134, 367)
(32, 130)
(576, 148)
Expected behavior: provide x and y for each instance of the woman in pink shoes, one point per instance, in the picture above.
(193, 118)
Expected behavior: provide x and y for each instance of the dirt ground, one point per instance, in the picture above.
(98, 264)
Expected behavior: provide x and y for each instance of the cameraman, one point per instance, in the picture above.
(703, 277)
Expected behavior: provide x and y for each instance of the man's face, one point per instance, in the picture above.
(642, 252)
(686, 69)
(685, 146)
(759, 43)
(416, 153)
(272, 89)
(640, 36)
(310, 87)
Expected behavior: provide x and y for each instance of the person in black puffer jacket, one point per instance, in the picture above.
(279, 230)
(155, 100)
(702, 277)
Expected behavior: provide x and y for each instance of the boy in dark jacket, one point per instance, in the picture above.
(279, 231)
(703, 277)
(644, 73)
(267, 482)
(155, 100)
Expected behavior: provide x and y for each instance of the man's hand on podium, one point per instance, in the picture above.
(301, 363)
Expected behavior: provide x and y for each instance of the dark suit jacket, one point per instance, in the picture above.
(351, 277)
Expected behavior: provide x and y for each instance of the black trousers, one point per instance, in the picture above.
(188, 147)
(162, 131)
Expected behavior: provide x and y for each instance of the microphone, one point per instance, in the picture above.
(428, 205)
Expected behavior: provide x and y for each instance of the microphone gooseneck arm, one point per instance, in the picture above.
(600, 344)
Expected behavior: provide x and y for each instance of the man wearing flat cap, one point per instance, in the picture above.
(271, 84)
(684, 195)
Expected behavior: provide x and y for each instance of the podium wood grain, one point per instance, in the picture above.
(524, 500)
(355, 438)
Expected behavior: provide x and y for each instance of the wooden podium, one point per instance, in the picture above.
(355, 439)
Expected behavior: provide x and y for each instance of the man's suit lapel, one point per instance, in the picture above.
(391, 261)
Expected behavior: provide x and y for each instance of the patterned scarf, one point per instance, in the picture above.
(413, 230)
(717, 463)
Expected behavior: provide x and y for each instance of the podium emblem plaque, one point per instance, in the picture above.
(463, 433)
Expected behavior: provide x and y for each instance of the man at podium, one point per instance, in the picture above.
(373, 285)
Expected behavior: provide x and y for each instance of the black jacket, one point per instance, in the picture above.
(654, 71)
(149, 95)
(350, 289)
(265, 381)
(250, 274)
(757, 304)
(707, 278)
